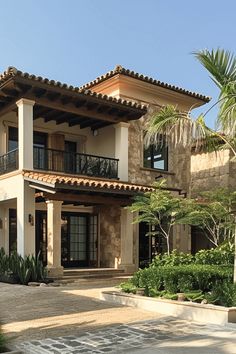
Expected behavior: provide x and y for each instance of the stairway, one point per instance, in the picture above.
(86, 274)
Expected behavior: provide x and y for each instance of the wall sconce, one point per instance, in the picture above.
(95, 132)
(31, 219)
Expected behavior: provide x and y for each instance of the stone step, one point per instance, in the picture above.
(92, 273)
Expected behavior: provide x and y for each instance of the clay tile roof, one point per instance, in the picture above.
(13, 72)
(120, 70)
(58, 181)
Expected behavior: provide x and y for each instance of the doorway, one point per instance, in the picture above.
(149, 246)
(78, 239)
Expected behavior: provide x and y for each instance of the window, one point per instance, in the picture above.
(156, 157)
(40, 139)
(12, 138)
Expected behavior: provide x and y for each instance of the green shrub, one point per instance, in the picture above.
(128, 287)
(183, 278)
(222, 255)
(223, 294)
(173, 259)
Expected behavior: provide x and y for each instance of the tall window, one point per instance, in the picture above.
(156, 157)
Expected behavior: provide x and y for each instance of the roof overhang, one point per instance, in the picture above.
(119, 70)
(82, 190)
(63, 103)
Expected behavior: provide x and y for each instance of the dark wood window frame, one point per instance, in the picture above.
(154, 154)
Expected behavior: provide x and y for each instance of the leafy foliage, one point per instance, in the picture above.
(19, 269)
(207, 275)
(212, 212)
(223, 294)
(159, 208)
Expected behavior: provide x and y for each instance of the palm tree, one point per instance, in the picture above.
(180, 128)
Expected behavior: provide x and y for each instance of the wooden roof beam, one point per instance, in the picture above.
(85, 198)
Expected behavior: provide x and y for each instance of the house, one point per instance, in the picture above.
(71, 160)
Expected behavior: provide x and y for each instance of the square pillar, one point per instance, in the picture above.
(127, 242)
(25, 219)
(55, 270)
(25, 133)
(122, 149)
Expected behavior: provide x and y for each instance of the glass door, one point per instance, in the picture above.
(78, 240)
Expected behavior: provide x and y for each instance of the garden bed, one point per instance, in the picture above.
(206, 313)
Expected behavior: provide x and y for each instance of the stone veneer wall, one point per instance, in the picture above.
(178, 174)
(110, 240)
(212, 170)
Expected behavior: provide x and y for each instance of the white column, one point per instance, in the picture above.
(127, 242)
(122, 149)
(25, 133)
(54, 238)
(25, 219)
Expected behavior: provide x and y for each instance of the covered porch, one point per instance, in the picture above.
(75, 222)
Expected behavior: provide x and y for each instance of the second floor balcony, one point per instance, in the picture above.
(64, 162)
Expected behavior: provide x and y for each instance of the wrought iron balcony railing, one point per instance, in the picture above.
(75, 163)
(9, 162)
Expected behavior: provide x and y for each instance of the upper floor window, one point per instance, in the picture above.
(156, 157)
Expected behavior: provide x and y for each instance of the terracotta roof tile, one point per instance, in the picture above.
(120, 70)
(12, 72)
(60, 180)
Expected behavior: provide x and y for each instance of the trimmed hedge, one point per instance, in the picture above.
(182, 278)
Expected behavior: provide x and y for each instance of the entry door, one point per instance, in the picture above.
(78, 240)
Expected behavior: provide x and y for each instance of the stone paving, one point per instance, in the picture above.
(72, 319)
(167, 335)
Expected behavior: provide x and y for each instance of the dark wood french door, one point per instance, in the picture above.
(78, 240)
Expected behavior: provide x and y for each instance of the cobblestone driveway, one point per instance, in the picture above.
(72, 319)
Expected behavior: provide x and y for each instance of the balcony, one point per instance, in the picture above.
(64, 162)
(9, 162)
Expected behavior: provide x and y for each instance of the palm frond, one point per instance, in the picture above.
(220, 63)
(171, 127)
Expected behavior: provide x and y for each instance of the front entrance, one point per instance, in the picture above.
(78, 238)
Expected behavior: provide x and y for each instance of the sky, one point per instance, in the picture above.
(74, 41)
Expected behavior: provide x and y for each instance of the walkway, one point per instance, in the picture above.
(72, 319)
